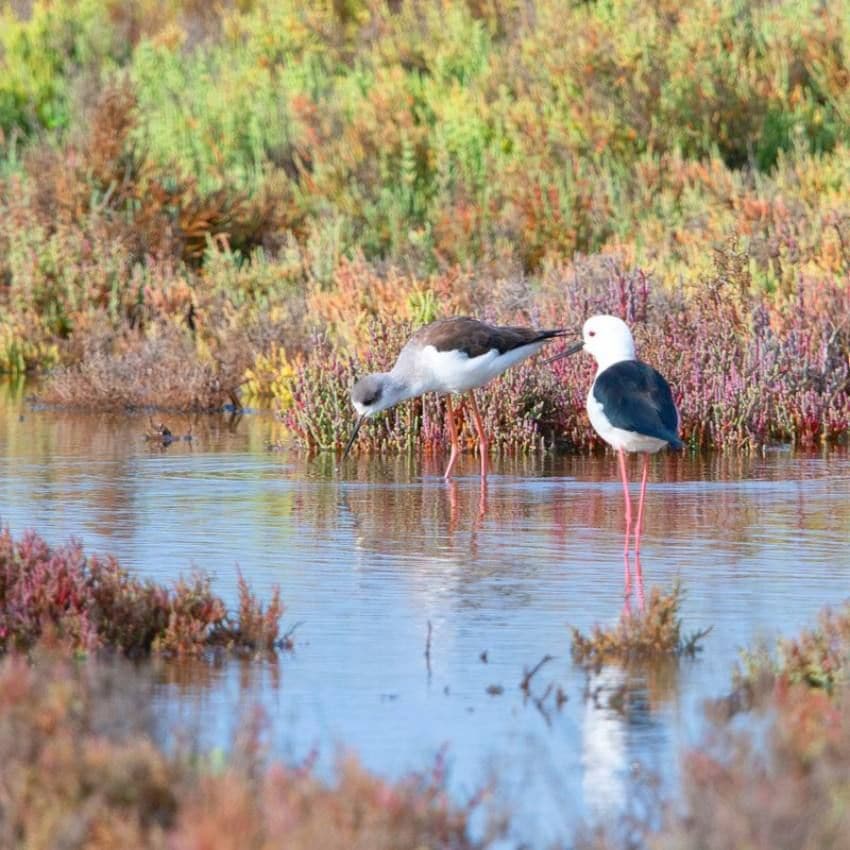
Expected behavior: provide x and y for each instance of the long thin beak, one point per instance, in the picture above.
(353, 436)
(567, 352)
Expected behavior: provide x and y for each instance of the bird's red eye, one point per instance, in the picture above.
(591, 333)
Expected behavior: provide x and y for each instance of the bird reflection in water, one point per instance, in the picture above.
(451, 491)
(633, 585)
(429, 467)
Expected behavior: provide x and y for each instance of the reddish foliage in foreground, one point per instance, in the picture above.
(86, 603)
(81, 770)
(788, 792)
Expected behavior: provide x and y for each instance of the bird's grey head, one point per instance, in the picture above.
(373, 393)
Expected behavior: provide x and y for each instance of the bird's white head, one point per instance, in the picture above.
(608, 339)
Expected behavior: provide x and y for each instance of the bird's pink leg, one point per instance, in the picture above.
(639, 524)
(625, 477)
(483, 442)
(450, 419)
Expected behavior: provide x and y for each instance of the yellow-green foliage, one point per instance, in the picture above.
(42, 53)
(241, 154)
(454, 129)
(269, 380)
(20, 353)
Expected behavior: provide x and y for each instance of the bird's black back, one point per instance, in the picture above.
(635, 397)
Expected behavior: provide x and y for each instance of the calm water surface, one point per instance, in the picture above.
(368, 555)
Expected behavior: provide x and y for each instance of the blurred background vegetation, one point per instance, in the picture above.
(226, 169)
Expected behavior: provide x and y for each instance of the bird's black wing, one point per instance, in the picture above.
(635, 397)
(476, 338)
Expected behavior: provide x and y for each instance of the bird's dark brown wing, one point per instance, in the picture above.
(476, 338)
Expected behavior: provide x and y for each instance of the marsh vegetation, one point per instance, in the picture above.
(208, 207)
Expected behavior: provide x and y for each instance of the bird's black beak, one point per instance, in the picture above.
(353, 436)
(567, 352)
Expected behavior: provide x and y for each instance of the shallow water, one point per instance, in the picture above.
(368, 555)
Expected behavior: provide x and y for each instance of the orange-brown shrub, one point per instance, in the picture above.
(162, 371)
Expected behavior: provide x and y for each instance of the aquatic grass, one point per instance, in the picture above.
(320, 415)
(59, 595)
(649, 636)
(819, 657)
(23, 349)
(268, 380)
(258, 626)
(773, 769)
(521, 410)
(785, 788)
(748, 370)
(91, 236)
(81, 765)
(788, 786)
(790, 793)
(82, 768)
(77, 737)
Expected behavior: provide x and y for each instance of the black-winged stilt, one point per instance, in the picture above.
(630, 405)
(447, 356)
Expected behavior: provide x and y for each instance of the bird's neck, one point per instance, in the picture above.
(611, 358)
(399, 387)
